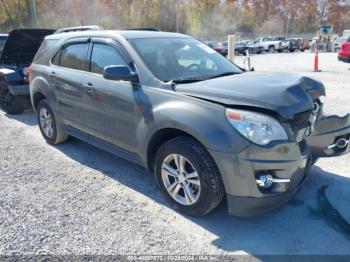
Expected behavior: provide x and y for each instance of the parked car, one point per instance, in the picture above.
(220, 48)
(204, 127)
(338, 42)
(17, 55)
(294, 44)
(3, 38)
(269, 44)
(254, 48)
(344, 52)
(305, 45)
(240, 47)
(284, 44)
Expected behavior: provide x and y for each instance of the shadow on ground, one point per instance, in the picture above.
(309, 224)
(28, 118)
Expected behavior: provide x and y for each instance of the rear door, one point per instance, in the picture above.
(69, 65)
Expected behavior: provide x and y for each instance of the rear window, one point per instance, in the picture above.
(47, 45)
(73, 56)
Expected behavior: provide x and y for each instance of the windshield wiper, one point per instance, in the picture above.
(184, 81)
(193, 80)
(223, 74)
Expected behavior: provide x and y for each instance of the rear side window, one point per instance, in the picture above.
(56, 59)
(104, 55)
(73, 56)
(46, 46)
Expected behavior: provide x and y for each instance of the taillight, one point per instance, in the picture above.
(30, 72)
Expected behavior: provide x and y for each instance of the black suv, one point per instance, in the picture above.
(202, 125)
(16, 56)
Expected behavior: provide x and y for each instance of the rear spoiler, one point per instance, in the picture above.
(79, 28)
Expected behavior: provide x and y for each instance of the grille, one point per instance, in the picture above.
(301, 120)
(302, 146)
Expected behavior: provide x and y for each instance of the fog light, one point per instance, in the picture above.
(265, 181)
(340, 143)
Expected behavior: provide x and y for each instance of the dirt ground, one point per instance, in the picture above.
(76, 199)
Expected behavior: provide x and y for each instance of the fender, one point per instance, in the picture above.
(42, 86)
(209, 126)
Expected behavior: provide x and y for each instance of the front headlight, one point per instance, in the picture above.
(258, 128)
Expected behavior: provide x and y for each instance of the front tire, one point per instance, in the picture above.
(272, 49)
(10, 103)
(188, 177)
(51, 129)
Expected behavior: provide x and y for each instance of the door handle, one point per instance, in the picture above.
(89, 89)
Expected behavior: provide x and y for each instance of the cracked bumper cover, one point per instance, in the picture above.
(244, 197)
(283, 160)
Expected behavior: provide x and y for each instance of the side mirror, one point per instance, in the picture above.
(119, 72)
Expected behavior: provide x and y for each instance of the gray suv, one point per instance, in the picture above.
(207, 129)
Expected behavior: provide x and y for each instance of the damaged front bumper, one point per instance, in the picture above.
(287, 163)
(330, 137)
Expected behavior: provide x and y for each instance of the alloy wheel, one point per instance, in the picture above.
(7, 100)
(180, 179)
(46, 122)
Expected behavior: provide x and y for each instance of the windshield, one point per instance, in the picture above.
(181, 59)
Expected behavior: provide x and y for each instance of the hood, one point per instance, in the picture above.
(285, 94)
(22, 45)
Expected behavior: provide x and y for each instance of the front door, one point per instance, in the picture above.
(110, 105)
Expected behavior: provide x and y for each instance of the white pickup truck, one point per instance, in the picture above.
(269, 44)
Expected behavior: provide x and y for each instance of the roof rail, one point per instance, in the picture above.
(79, 28)
(144, 29)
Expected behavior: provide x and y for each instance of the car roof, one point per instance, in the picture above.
(127, 34)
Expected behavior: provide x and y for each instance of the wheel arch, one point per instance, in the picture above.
(37, 97)
(159, 138)
(40, 89)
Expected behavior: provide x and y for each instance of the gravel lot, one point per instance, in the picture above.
(76, 199)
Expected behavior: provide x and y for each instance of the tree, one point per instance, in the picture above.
(32, 13)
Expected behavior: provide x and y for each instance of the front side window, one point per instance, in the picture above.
(104, 55)
(182, 59)
(73, 56)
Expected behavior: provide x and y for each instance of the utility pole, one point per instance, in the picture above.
(287, 26)
(32, 13)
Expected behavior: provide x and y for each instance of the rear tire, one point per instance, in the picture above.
(10, 103)
(206, 188)
(272, 49)
(51, 129)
